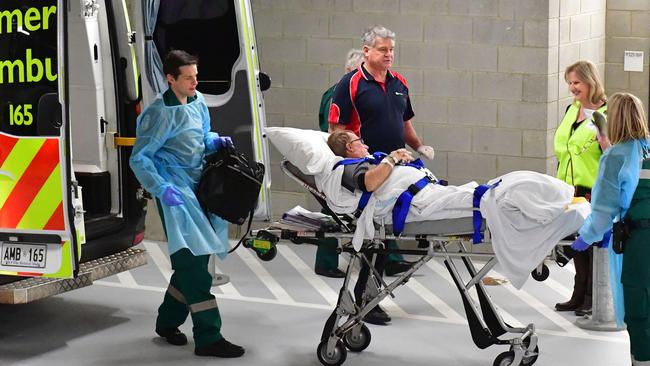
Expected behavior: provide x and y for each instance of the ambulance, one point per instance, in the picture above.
(74, 76)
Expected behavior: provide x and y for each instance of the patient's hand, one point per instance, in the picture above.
(402, 155)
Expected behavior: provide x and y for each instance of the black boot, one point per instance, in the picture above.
(221, 348)
(396, 268)
(377, 316)
(585, 308)
(576, 299)
(581, 263)
(173, 336)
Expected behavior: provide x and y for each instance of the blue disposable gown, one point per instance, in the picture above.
(169, 151)
(618, 176)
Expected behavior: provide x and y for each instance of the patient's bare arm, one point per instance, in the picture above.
(376, 176)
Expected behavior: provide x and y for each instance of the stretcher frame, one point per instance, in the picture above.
(345, 329)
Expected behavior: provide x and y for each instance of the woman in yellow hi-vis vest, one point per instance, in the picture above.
(578, 150)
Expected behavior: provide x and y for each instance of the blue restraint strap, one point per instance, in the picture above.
(365, 196)
(363, 201)
(478, 218)
(375, 159)
(417, 163)
(401, 208)
(350, 161)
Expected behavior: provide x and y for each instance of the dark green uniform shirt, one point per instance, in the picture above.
(324, 110)
(171, 100)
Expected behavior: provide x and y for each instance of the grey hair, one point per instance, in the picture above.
(353, 59)
(374, 32)
(338, 141)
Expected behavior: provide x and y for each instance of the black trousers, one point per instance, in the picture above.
(364, 274)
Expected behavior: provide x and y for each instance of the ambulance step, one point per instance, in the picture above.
(35, 288)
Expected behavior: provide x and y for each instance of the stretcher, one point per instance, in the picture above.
(448, 239)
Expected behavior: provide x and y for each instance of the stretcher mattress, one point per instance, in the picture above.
(443, 227)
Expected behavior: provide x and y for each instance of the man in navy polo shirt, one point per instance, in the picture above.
(373, 102)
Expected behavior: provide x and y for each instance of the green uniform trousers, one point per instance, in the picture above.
(326, 256)
(636, 292)
(189, 293)
(635, 275)
(393, 257)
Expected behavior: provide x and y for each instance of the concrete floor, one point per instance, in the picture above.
(277, 310)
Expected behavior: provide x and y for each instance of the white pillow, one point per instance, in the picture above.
(306, 149)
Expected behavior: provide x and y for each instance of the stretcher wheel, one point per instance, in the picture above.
(357, 343)
(336, 359)
(530, 360)
(504, 359)
(268, 255)
(541, 276)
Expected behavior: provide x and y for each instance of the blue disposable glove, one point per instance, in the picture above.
(172, 196)
(605, 242)
(221, 142)
(580, 245)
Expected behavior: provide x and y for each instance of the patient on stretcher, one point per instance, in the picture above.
(527, 213)
(387, 176)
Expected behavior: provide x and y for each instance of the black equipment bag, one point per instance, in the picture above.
(230, 185)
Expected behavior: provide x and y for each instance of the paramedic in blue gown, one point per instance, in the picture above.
(172, 137)
(365, 177)
(373, 102)
(622, 192)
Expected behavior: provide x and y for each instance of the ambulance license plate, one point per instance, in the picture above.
(23, 255)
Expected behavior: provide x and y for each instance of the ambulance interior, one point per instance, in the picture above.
(222, 64)
(104, 96)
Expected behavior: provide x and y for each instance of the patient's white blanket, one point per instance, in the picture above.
(526, 213)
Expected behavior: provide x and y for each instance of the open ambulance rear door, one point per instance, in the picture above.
(221, 33)
(42, 226)
(41, 217)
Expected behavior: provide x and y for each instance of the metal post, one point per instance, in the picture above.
(602, 315)
(219, 279)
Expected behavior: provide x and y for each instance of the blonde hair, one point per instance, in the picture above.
(625, 118)
(587, 72)
(338, 142)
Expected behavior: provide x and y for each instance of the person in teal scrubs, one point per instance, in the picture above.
(172, 138)
(622, 194)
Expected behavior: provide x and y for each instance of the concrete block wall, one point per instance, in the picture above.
(486, 76)
(628, 29)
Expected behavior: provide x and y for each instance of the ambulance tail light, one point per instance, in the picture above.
(138, 108)
(138, 238)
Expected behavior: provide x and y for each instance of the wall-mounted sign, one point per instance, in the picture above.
(633, 61)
